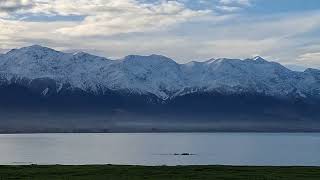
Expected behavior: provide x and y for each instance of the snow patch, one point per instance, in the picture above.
(45, 91)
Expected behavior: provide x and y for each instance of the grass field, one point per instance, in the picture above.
(111, 172)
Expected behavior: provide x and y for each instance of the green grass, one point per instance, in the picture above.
(112, 172)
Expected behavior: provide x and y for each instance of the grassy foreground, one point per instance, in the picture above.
(111, 172)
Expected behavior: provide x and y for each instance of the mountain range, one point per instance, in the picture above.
(44, 90)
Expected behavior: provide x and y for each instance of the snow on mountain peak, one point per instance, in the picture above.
(151, 59)
(32, 53)
(37, 49)
(259, 58)
(156, 74)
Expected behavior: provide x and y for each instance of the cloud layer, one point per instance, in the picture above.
(129, 16)
(182, 29)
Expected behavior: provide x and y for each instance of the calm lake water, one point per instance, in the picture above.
(159, 148)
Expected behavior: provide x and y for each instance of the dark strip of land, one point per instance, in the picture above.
(113, 172)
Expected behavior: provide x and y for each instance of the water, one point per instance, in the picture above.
(159, 148)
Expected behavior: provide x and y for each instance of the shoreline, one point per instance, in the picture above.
(120, 172)
(162, 132)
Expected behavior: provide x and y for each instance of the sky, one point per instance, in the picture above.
(285, 31)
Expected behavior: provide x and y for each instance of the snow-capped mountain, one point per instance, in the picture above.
(44, 90)
(156, 75)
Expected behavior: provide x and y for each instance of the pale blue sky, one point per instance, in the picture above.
(287, 31)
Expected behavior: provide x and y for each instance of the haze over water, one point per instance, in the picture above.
(160, 148)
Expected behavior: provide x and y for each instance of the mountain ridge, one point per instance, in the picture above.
(156, 74)
(44, 90)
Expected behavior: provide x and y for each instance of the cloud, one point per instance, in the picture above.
(280, 37)
(235, 2)
(240, 48)
(311, 59)
(101, 18)
(228, 8)
(261, 27)
(8, 6)
(8, 29)
(15, 33)
(133, 17)
(110, 17)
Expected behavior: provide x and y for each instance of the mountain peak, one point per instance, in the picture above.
(37, 48)
(34, 49)
(312, 70)
(153, 58)
(132, 56)
(82, 54)
(33, 52)
(259, 59)
(209, 61)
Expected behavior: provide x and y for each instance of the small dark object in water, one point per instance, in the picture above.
(183, 154)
